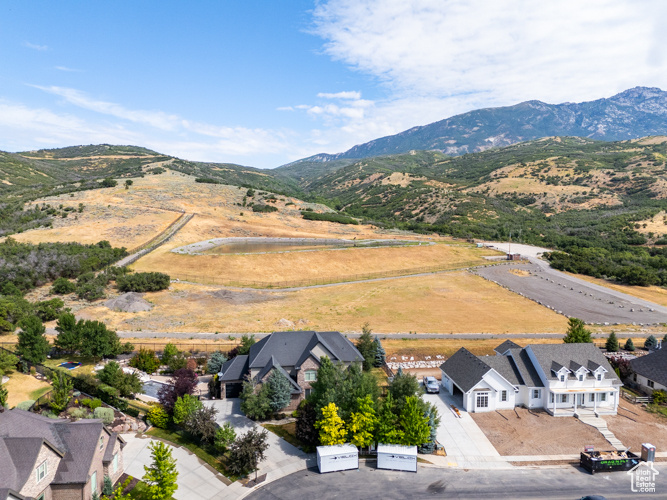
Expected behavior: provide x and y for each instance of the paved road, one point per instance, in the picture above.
(519, 483)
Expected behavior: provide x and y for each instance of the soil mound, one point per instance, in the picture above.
(129, 302)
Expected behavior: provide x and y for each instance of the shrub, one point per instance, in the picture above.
(132, 412)
(63, 286)
(201, 424)
(145, 360)
(659, 397)
(26, 405)
(184, 407)
(158, 416)
(224, 437)
(48, 310)
(105, 414)
(215, 363)
(207, 180)
(143, 282)
(263, 208)
(108, 182)
(339, 218)
(92, 403)
(78, 413)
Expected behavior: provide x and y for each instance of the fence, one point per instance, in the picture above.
(633, 398)
(324, 280)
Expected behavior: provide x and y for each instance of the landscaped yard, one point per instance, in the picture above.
(537, 433)
(22, 387)
(287, 432)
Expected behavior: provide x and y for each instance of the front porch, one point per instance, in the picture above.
(574, 402)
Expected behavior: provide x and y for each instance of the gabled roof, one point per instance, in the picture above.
(235, 369)
(505, 346)
(550, 355)
(652, 366)
(465, 369)
(274, 365)
(529, 375)
(76, 441)
(505, 367)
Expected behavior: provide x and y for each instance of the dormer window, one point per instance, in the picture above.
(599, 376)
(41, 471)
(562, 378)
(581, 378)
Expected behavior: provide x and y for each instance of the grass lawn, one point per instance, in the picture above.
(37, 393)
(22, 387)
(287, 432)
(87, 364)
(178, 438)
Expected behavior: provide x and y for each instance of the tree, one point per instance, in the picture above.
(62, 386)
(8, 362)
(247, 451)
(403, 386)
(32, 345)
(97, 341)
(324, 389)
(629, 345)
(612, 343)
(63, 286)
(306, 417)
(107, 487)
(157, 416)
(4, 395)
(413, 423)
(651, 343)
(577, 332)
(183, 382)
(126, 383)
(145, 360)
(380, 354)
(215, 362)
(255, 401)
(161, 475)
(173, 358)
(387, 430)
(433, 423)
(184, 406)
(128, 183)
(355, 384)
(366, 347)
(279, 391)
(201, 424)
(331, 426)
(247, 341)
(108, 182)
(363, 422)
(69, 337)
(224, 437)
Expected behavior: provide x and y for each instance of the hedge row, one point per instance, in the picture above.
(339, 218)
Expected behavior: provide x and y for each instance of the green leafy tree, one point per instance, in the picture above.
(63, 286)
(255, 401)
(629, 345)
(48, 310)
(128, 183)
(215, 362)
(612, 343)
(367, 347)
(98, 341)
(161, 474)
(145, 360)
(355, 384)
(224, 437)
(158, 416)
(8, 362)
(247, 341)
(108, 182)
(4, 395)
(62, 387)
(247, 451)
(32, 345)
(363, 423)
(324, 390)
(413, 423)
(403, 386)
(387, 430)
(127, 384)
(184, 407)
(650, 343)
(69, 337)
(577, 332)
(380, 354)
(331, 426)
(279, 391)
(201, 424)
(659, 397)
(173, 358)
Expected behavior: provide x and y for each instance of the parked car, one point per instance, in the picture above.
(431, 385)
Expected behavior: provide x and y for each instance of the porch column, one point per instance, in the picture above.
(595, 402)
(554, 396)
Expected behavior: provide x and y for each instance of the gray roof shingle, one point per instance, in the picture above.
(465, 369)
(552, 356)
(235, 369)
(652, 366)
(505, 346)
(525, 366)
(506, 367)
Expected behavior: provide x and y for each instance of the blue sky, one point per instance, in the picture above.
(263, 83)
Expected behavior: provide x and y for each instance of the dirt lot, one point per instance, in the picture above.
(644, 427)
(537, 433)
(572, 297)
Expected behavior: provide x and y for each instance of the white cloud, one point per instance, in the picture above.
(68, 70)
(35, 46)
(351, 94)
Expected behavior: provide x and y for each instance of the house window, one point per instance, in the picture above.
(599, 376)
(650, 383)
(581, 378)
(41, 471)
(483, 400)
(93, 483)
(536, 394)
(503, 395)
(115, 463)
(40, 497)
(634, 377)
(562, 378)
(603, 396)
(591, 397)
(311, 375)
(308, 391)
(563, 398)
(101, 442)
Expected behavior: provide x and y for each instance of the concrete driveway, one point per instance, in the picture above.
(465, 443)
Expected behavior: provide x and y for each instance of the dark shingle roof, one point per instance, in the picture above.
(274, 365)
(652, 366)
(465, 369)
(235, 369)
(505, 366)
(554, 356)
(508, 344)
(526, 368)
(5, 492)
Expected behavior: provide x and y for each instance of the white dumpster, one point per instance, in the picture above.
(337, 457)
(397, 457)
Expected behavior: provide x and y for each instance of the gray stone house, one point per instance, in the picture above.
(295, 354)
(55, 459)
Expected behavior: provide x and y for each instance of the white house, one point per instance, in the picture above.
(650, 371)
(563, 379)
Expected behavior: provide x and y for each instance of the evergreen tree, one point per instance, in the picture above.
(62, 386)
(366, 347)
(331, 426)
(247, 341)
(387, 430)
(577, 332)
(255, 402)
(279, 391)
(612, 343)
(363, 422)
(403, 386)
(650, 343)
(69, 334)
(324, 389)
(97, 341)
(433, 423)
(414, 424)
(32, 345)
(215, 362)
(629, 345)
(4, 395)
(107, 487)
(161, 475)
(380, 354)
(145, 360)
